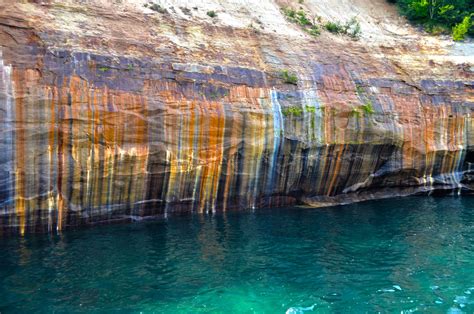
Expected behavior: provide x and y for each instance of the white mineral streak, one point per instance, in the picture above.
(6, 133)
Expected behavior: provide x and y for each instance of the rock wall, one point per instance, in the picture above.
(112, 114)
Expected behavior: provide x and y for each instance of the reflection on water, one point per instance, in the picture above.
(414, 254)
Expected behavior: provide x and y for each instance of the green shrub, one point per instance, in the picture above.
(334, 27)
(288, 77)
(302, 19)
(294, 111)
(212, 14)
(460, 30)
(104, 68)
(368, 108)
(418, 9)
(310, 109)
(314, 31)
(298, 17)
(350, 28)
(290, 13)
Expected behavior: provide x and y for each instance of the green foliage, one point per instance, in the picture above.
(104, 68)
(289, 13)
(212, 14)
(334, 27)
(446, 10)
(288, 77)
(314, 31)
(351, 28)
(460, 30)
(368, 108)
(310, 109)
(437, 29)
(300, 18)
(440, 16)
(294, 111)
(418, 9)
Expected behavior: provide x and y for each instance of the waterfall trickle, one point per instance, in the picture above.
(278, 133)
(6, 137)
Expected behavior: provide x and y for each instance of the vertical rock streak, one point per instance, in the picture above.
(7, 179)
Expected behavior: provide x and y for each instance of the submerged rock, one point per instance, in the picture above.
(113, 113)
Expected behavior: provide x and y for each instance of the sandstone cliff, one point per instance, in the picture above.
(110, 110)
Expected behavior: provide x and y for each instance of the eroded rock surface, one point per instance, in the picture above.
(115, 112)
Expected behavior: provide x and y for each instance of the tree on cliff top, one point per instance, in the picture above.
(440, 16)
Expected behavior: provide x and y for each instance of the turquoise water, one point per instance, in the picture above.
(411, 255)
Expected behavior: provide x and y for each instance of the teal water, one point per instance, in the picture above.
(390, 256)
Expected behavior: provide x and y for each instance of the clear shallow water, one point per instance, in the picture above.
(413, 254)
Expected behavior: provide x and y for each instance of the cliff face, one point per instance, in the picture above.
(116, 112)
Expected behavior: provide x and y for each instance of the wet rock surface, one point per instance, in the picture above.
(142, 115)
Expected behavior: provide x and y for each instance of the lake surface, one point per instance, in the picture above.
(412, 255)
